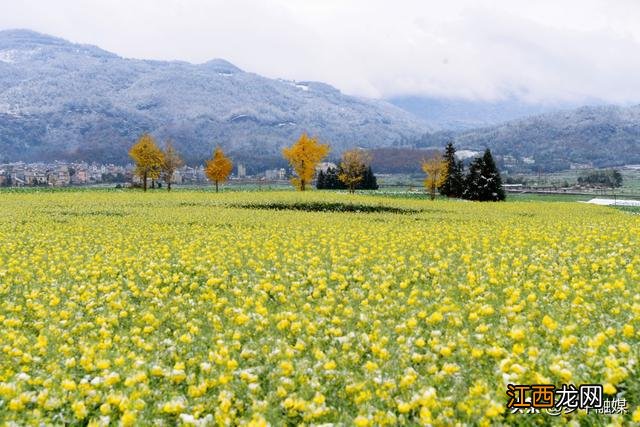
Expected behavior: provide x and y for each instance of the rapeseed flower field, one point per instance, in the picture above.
(123, 308)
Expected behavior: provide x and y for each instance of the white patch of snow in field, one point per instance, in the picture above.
(303, 87)
(614, 202)
(225, 74)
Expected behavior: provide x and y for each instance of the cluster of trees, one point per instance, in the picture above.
(155, 164)
(446, 173)
(353, 173)
(330, 180)
(609, 178)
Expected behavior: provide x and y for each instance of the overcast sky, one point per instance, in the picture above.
(559, 50)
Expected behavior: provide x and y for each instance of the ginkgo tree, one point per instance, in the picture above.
(304, 156)
(148, 158)
(353, 167)
(436, 169)
(219, 167)
(170, 163)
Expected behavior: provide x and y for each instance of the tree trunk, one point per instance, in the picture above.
(302, 185)
(144, 181)
(216, 186)
(169, 185)
(153, 183)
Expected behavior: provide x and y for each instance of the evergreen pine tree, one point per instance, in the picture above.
(446, 189)
(330, 179)
(373, 181)
(362, 185)
(458, 179)
(490, 185)
(369, 181)
(472, 180)
(320, 184)
(454, 181)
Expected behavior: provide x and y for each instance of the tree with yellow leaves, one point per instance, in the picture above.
(304, 156)
(148, 158)
(219, 167)
(436, 169)
(171, 162)
(353, 167)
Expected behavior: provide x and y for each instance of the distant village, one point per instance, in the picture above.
(63, 174)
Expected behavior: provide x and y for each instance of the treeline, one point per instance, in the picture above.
(607, 178)
(444, 173)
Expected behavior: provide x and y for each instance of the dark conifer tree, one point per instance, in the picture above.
(458, 178)
(373, 181)
(320, 181)
(490, 188)
(453, 185)
(472, 180)
(369, 180)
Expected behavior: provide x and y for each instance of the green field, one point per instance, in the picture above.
(630, 179)
(284, 308)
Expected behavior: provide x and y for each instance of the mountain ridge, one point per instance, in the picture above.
(457, 114)
(67, 101)
(589, 136)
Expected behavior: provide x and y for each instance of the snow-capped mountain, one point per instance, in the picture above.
(60, 100)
